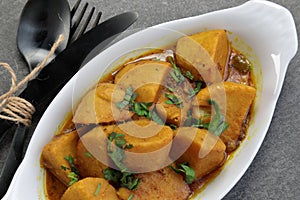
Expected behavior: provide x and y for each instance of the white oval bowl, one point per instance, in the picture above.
(266, 27)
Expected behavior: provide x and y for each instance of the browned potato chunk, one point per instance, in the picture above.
(95, 143)
(146, 77)
(54, 153)
(90, 189)
(205, 151)
(204, 54)
(87, 164)
(233, 99)
(98, 106)
(162, 184)
(151, 144)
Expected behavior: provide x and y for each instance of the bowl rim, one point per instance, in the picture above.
(283, 67)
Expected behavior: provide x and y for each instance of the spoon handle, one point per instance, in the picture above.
(13, 159)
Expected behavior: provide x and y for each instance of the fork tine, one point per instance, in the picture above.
(97, 19)
(86, 23)
(75, 7)
(77, 22)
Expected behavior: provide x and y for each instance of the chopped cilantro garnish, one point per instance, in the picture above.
(176, 73)
(173, 126)
(194, 92)
(130, 197)
(128, 98)
(198, 123)
(141, 109)
(172, 99)
(128, 146)
(218, 124)
(88, 154)
(117, 155)
(190, 121)
(129, 181)
(70, 160)
(170, 89)
(188, 171)
(74, 174)
(125, 179)
(112, 175)
(73, 178)
(119, 140)
(189, 75)
(156, 118)
(97, 189)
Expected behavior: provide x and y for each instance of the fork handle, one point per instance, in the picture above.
(13, 159)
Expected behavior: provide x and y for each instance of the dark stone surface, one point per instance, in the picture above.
(275, 171)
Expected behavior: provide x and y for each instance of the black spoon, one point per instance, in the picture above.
(41, 22)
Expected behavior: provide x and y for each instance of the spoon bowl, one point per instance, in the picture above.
(41, 22)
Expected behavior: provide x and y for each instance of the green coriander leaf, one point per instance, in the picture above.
(128, 146)
(189, 173)
(88, 154)
(156, 118)
(189, 75)
(120, 141)
(175, 169)
(97, 189)
(218, 124)
(117, 156)
(194, 92)
(171, 89)
(193, 122)
(176, 74)
(130, 197)
(125, 179)
(173, 75)
(128, 181)
(73, 178)
(169, 101)
(128, 98)
(173, 99)
(112, 175)
(70, 160)
(173, 126)
(122, 104)
(189, 119)
(141, 109)
(115, 136)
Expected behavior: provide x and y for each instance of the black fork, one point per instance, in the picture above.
(75, 33)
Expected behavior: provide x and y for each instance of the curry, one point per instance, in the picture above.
(158, 127)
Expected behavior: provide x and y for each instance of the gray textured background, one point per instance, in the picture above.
(275, 171)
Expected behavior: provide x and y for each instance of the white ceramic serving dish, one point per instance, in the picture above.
(266, 27)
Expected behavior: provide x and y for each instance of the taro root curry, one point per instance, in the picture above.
(159, 127)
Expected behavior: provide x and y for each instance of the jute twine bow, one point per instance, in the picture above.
(17, 109)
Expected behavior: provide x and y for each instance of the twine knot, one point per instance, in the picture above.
(17, 109)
